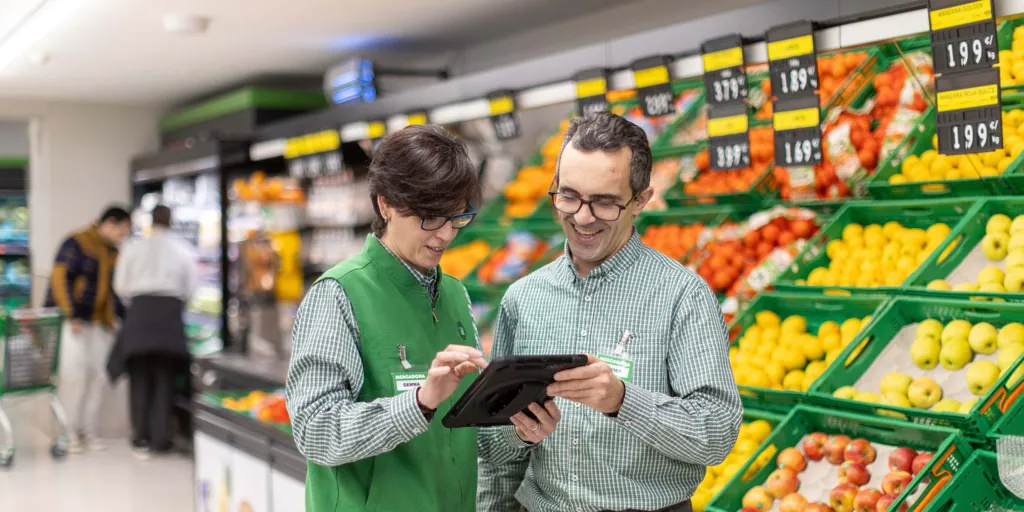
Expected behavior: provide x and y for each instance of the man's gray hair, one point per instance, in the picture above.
(605, 131)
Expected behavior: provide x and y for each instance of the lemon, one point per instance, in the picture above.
(1004, 164)
(898, 179)
(794, 324)
(828, 327)
(745, 446)
(776, 372)
(853, 231)
(892, 229)
(759, 430)
(832, 355)
(992, 158)
(834, 247)
(938, 231)
(833, 341)
(794, 380)
(813, 348)
(850, 327)
(929, 156)
(767, 319)
(910, 162)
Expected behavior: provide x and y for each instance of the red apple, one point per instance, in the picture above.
(818, 507)
(886, 501)
(782, 482)
(791, 458)
(895, 481)
(860, 451)
(854, 473)
(920, 462)
(867, 500)
(758, 498)
(835, 449)
(902, 459)
(793, 503)
(814, 446)
(842, 496)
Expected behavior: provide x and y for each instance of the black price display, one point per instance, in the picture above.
(591, 91)
(314, 155)
(792, 63)
(503, 115)
(728, 140)
(963, 35)
(969, 117)
(797, 125)
(653, 90)
(724, 79)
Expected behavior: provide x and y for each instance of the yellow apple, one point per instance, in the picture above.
(1014, 281)
(991, 274)
(939, 284)
(957, 329)
(1011, 334)
(983, 338)
(925, 353)
(947, 405)
(930, 328)
(955, 354)
(995, 246)
(967, 405)
(998, 223)
(845, 392)
(981, 375)
(896, 382)
(924, 392)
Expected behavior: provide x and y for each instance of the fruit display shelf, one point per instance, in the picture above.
(983, 259)
(471, 247)
(977, 488)
(684, 132)
(756, 427)
(873, 247)
(831, 457)
(513, 254)
(782, 342)
(1010, 36)
(266, 407)
(749, 186)
(941, 362)
(675, 233)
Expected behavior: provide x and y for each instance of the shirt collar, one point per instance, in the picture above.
(624, 258)
(427, 280)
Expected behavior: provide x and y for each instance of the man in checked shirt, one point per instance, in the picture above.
(657, 404)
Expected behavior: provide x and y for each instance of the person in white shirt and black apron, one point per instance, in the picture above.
(155, 276)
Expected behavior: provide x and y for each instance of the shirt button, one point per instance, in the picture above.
(587, 298)
(577, 406)
(583, 332)
(575, 478)
(575, 441)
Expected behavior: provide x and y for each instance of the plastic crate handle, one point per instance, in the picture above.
(828, 307)
(984, 315)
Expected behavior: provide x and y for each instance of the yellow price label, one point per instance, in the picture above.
(291, 147)
(591, 87)
(973, 97)
(727, 126)
(319, 142)
(651, 76)
(723, 59)
(789, 48)
(420, 118)
(796, 119)
(501, 105)
(958, 15)
(375, 129)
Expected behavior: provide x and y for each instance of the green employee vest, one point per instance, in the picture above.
(436, 471)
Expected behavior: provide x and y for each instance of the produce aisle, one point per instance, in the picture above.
(875, 300)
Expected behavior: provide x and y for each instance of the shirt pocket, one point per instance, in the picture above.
(648, 350)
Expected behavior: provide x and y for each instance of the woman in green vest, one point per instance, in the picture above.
(384, 343)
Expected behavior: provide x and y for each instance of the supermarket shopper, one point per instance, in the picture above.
(363, 413)
(638, 431)
(80, 285)
(155, 277)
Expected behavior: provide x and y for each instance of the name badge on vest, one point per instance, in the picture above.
(407, 377)
(619, 361)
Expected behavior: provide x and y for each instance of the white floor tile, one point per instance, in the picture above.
(109, 481)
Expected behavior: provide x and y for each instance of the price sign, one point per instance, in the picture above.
(963, 34)
(797, 125)
(414, 118)
(969, 117)
(728, 140)
(313, 154)
(591, 91)
(653, 87)
(376, 129)
(724, 79)
(792, 63)
(503, 115)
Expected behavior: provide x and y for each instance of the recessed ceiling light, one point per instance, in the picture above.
(185, 24)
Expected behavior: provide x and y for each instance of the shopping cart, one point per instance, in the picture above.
(29, 358)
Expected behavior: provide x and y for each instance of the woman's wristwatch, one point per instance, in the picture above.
(428, 413)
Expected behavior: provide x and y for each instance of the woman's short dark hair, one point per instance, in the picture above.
(422, 170)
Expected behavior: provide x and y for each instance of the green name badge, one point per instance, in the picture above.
(621, 367)
(407, 381)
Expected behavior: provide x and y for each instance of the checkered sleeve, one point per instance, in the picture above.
(504, 457)
(700, 421)
(324, 378)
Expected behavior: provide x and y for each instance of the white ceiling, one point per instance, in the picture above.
(117, 51)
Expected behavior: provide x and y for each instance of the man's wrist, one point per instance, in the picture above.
(622, 398)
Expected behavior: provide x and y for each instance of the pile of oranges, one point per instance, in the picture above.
(889, 86)
(459, 261)
(834, 70)
(531, 184)
(708, 182)
(827, 183)
(672, 240)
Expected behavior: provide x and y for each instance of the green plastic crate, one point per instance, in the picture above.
(961, 242)
(859, 85)
(977, 488)
(862, 353)
(911, 214)
(916, 143)
(817, 312)
(824, 209)
(749, 415)
(765, 189)
(950, 448)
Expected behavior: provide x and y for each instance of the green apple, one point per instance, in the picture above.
(998, 223)
(925, 353)
(924, 393)
(995, 246)
(845, 392)
(955, 354)
(968, 405)
(1008, 355)
(1016, 243)
(981, 375)
(991, 274)
(930, 328)
(896, 399)
(868, 397)
(1017, 226)
(1011, 333)
(1014, 280)
(956, 330)
(1015, 259)
(947, 405)
(897, 382)
(940, 285)
(983, 338)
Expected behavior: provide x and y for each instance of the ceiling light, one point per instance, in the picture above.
(46, 15)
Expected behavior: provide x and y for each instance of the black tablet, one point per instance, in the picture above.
(507, 386)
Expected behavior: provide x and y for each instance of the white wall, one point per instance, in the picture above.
(13, 138)
(79, 163)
